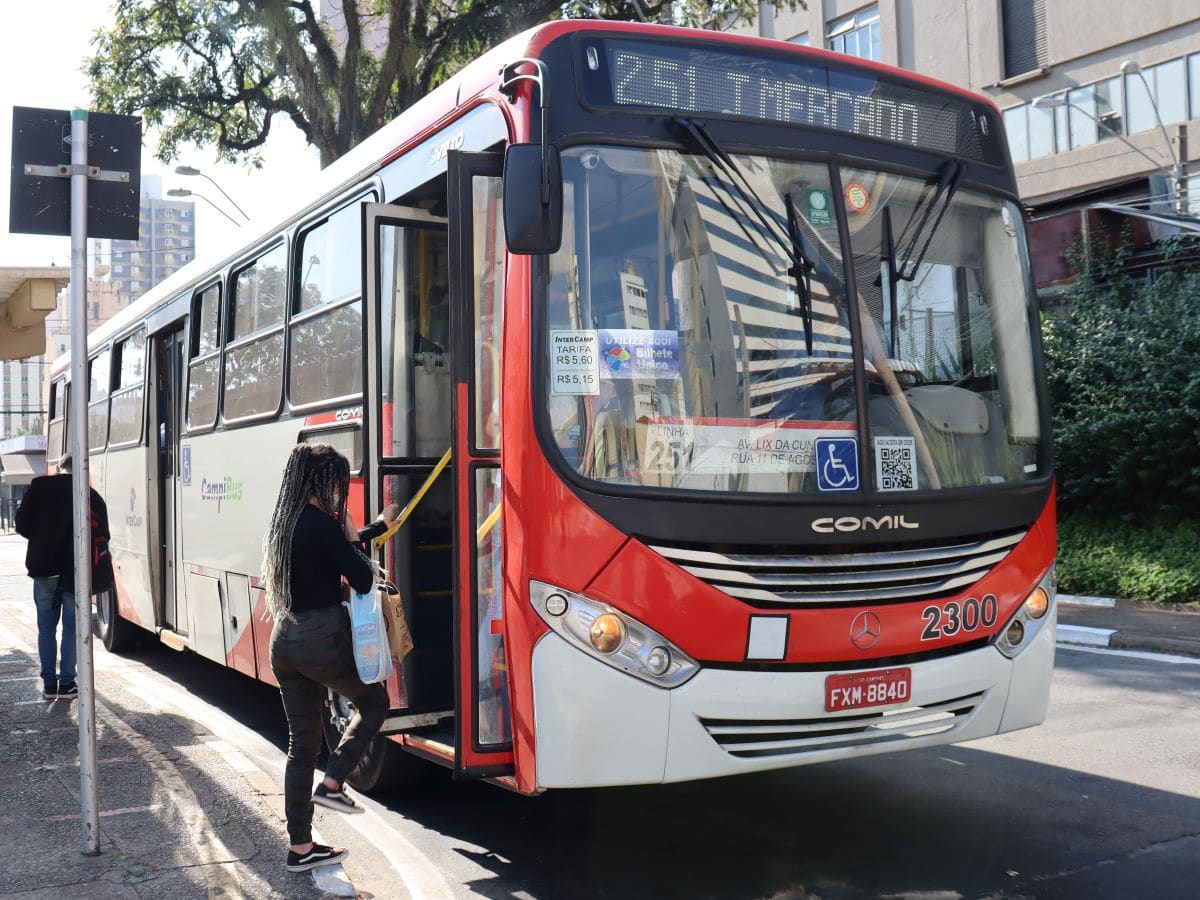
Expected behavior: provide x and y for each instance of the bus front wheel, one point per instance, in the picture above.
(116, 633)
(384, 766)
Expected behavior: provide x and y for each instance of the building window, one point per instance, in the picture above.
(1024, 36)
(1107, 110)
(1016, 125)
(801, 39)
(856, 34)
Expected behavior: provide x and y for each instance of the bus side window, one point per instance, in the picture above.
(58, 416)
(129, 371)
(99, 374)
(204, 365)
(253, 382)
(326, 327)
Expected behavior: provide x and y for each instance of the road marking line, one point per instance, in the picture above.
(218, 864)
(74, 765)
(168, 696)
(1135, 654)
(104, 814)
(423, 879)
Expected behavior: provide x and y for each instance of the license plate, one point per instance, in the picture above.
(859, 689)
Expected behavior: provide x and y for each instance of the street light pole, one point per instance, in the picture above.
(192, 170)
(184, 192)
(1178, 163)
(1051, 101)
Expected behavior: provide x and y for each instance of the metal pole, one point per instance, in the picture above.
(1180, 173)
(80, 482)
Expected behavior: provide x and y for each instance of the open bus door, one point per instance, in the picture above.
(431, 337)
(406, 429)
(483, 716)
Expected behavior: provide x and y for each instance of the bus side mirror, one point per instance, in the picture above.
(533, 198)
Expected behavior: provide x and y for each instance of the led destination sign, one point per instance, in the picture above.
(706, 80)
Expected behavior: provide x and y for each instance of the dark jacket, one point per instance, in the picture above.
(44, 517)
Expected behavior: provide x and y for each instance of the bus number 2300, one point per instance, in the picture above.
(955, 617)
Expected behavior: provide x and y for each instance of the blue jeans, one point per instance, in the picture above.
(51, 602)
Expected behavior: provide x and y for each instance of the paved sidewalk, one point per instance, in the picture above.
(1130, 625)
(182, 814)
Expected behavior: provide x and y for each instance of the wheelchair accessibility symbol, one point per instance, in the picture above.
(837, 464)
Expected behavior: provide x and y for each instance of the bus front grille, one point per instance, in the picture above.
(755, 739)
(877, 576)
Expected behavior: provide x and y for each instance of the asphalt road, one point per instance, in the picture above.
(1101, 801)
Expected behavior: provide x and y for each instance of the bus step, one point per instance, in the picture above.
(172, 639)
(435, 593)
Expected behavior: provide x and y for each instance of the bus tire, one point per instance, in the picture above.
(116, 633)
(385, 766)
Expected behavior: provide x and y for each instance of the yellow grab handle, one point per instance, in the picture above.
(488, 524)
(412, 504)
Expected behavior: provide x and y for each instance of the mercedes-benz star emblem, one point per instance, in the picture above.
(865, 630)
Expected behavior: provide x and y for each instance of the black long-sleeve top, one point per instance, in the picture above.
(321, 557)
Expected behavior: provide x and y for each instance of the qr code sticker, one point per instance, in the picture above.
(896, 464)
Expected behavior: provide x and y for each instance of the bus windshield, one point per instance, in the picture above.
(700, 327)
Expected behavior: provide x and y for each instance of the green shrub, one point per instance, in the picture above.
(1140, 560)
(1123, 367)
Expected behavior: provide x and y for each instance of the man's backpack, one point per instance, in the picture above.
(102, 567)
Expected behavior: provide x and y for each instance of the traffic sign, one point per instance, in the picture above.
(40, 198)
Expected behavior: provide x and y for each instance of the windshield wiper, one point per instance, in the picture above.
(801, 271)
(903, 267)
(792, 243)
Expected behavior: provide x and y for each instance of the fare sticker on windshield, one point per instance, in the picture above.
(574, 362)
(819, 213)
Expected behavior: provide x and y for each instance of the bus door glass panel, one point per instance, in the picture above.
(493, 724)
(407, 416)
(174, 460)
(483, 743)
(951, 392)
(416, 352)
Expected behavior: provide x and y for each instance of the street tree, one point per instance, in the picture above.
(216, 73)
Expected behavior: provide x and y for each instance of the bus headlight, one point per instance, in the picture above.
(607, 632)
(612, 637)
(1029, 619)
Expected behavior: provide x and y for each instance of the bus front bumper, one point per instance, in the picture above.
(597, 726)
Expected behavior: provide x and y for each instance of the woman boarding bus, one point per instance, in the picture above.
(731, 441)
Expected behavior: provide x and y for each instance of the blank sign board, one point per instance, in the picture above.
(41, 204)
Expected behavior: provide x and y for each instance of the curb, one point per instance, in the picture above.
(1082, 634)
(1072, 600)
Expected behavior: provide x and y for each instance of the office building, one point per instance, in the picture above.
(1122, 82)
(166, 242)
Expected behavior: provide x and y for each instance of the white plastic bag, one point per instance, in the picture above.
(372, 652)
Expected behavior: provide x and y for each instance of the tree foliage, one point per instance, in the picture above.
(217, 72)
(1125, 390)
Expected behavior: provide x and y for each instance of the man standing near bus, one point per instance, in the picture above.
(45, 519)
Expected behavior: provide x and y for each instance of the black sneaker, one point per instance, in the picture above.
(50, 690)
(319, 855)
(69, 690)
(336, 798)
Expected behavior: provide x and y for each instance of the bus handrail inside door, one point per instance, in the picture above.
(411, 507)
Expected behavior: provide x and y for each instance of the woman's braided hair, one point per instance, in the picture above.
(312, 470)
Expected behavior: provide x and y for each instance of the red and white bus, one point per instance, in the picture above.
(734, 347)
